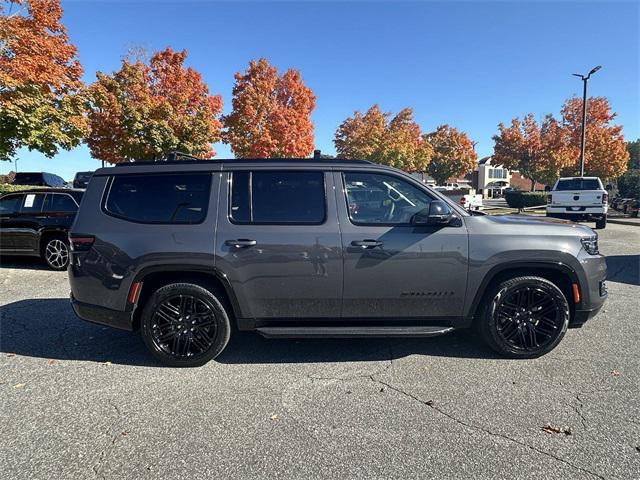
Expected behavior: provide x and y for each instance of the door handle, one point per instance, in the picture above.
(240, 243)
(366, 243)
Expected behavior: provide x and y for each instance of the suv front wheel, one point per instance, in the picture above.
(524, 317)
(185, 325)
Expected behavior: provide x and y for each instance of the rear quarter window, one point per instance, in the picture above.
(159, 198)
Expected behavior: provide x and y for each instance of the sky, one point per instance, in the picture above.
(468, 64)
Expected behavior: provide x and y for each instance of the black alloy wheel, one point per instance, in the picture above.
(525, 317)
(185, 325)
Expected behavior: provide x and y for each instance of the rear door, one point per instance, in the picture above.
(278, 242)
(393, 269)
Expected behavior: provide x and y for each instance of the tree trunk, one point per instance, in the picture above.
(533, 185)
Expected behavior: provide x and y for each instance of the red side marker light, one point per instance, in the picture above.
(134, 291)
(576, 293)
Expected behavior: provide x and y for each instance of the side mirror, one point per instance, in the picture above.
(438, 213)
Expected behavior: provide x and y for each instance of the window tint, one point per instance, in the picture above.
(382, 199)
(579, 184)
(59, 202)
(10, 204)
(32, 202)
(278, 197)
(160, 198)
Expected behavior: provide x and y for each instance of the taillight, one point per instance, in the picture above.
(81, 243)
(605, 198)
(463, 201)
(549, 199)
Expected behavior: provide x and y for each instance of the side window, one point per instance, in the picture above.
(10, 204)
(160, 198)
(378, 199)
(32, 203)
(278, 197)
(59, 202)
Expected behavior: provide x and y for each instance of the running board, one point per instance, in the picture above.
(352, 332)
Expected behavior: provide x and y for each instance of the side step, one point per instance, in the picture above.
(353, 332)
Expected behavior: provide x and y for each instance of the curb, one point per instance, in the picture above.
(621, 221)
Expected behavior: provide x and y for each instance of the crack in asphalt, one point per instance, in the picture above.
(431, 404)
(578, 409)
(106, 452)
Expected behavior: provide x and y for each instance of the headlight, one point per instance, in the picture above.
(590, 244)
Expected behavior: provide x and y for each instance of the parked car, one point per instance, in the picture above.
(631, 207)
(39, 179)
(81, 180)
(36, 223)
(331, 248)
(617, 202)
(579, 199)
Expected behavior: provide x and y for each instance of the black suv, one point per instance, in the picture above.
(81, 180)
(302, 248)
(36, 223)
(39, 179)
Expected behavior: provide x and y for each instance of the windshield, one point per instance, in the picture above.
(579, 184)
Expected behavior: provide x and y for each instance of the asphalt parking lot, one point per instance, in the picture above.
(82, 401)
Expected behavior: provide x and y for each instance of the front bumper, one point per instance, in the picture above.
(103, 316)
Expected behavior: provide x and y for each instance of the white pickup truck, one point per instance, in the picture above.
(579, 199)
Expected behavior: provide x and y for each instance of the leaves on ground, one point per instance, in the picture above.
(549, 428)
(19, 385)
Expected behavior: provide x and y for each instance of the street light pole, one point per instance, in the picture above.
(585, 79)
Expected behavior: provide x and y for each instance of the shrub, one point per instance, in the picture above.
(6, 187)
(522, 200)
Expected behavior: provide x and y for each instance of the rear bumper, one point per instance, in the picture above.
(102, 315)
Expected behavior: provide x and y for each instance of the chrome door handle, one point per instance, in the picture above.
(240, 243)
(366, 243)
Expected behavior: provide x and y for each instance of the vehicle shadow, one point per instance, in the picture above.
(623, 269)
(48, 328)
(23, 263)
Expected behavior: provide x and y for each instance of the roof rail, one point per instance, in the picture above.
(243, 160)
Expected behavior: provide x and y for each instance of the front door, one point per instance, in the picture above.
(393, 269)
(278, 243)
(9, 208)
(26, 224)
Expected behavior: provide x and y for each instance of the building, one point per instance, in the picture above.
(492, 180)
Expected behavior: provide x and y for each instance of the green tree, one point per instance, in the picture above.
(634, 154)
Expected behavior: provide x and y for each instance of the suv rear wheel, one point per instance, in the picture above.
(601, 222)
(524, 317)
(56, 253)
(185, 325)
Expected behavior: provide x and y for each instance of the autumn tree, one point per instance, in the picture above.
(271, 113)
(41, 105)
(377, 137)
(148, 109)
(606, 155)
(538, 152)
(453, 153)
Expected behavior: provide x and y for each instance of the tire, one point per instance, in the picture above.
(55, 253)
(507, 329)
(601, 222)
(171, 333)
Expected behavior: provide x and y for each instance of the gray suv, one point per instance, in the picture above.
(188, 251)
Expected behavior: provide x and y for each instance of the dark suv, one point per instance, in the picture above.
(36, 223)
(305, 248)
(39, 179)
